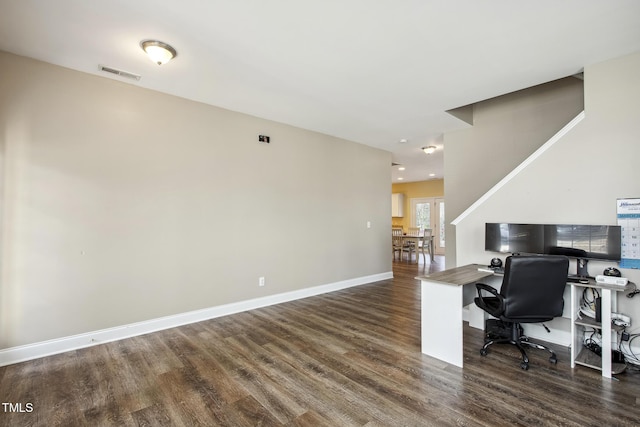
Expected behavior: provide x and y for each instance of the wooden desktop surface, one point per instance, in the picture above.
(458, 276)
(467, 274)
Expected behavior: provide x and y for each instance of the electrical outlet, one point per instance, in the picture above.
(261, 281)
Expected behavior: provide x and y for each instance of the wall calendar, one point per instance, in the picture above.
(629, 220)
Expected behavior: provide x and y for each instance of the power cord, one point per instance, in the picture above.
(594, 348)
(633, 292)
(588, 302)
(591, 343)
(631, 359)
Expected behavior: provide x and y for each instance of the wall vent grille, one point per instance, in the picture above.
(120, 73)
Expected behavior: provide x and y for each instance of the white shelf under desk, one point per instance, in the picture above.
(580, 355)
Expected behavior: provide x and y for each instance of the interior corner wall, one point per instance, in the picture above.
(121, 204)
(506, 130)
(580, 177)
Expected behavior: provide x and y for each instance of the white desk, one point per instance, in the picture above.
(444, 294)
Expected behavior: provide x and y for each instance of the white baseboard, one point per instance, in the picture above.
(60, 345)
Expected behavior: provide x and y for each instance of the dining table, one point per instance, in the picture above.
(416, 239)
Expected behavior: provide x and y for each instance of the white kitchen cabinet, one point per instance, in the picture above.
(397, 205)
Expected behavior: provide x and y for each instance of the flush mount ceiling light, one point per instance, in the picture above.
(158, 52)
(430, 149)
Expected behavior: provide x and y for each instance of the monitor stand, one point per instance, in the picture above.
(582, 268)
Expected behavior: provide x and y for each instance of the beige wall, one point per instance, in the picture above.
(578, 179)
(431, 188)
(505, 131)
(121, 204)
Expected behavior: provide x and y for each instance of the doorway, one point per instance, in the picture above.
(428, 212)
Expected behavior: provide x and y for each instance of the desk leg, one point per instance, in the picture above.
(605, 310)
(576, 338)
(441, 323)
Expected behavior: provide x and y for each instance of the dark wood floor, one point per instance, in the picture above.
(348, 358)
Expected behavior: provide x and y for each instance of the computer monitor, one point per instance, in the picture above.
(582, 242)
(514, 238)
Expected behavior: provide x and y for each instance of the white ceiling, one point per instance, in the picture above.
(368, 71)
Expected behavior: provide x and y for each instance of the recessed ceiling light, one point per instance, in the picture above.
(400, 179)
(401, 168)
(432, 174)
(430, 149)
(403, 141)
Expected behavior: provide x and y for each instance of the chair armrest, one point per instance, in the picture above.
(482, 287)
(493, 291)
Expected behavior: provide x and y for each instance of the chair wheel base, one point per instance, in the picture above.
(520, 341)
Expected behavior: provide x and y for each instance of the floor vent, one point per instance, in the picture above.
(120, 73)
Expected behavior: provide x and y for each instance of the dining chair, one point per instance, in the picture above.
(402, 245)
(413, 231)
(413, 244)
(427, 239)
(396, 241)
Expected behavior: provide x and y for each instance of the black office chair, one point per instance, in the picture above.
(531, 292)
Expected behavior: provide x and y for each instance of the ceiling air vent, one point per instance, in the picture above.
(120, 73)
